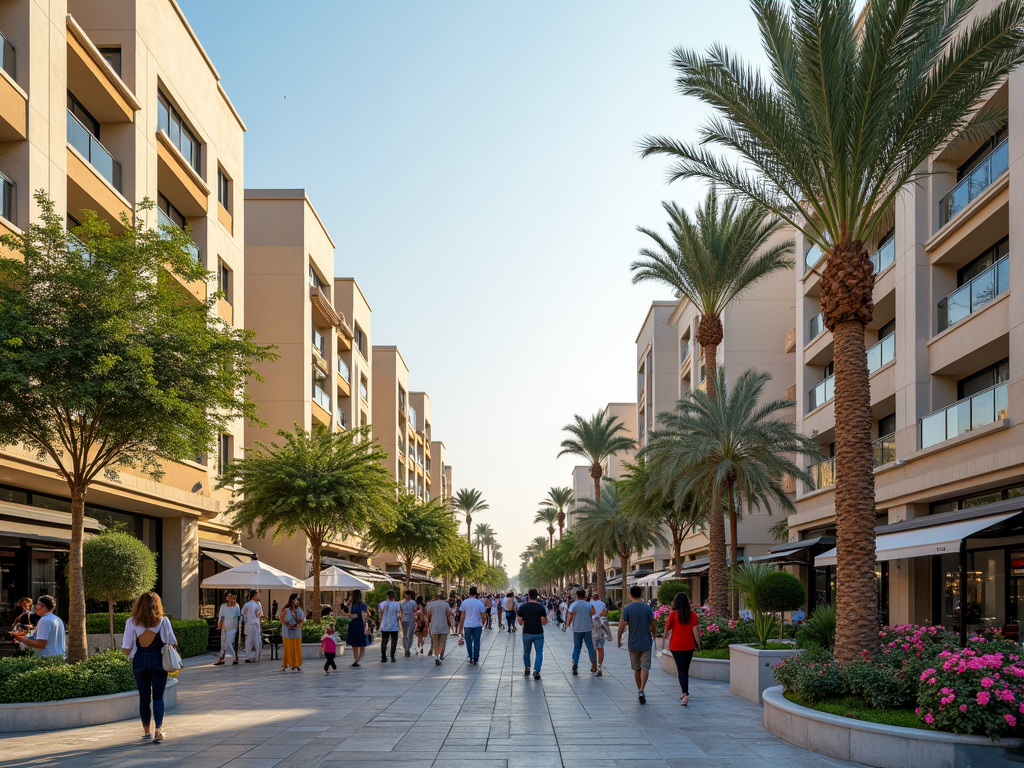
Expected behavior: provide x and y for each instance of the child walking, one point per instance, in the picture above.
(329, 645)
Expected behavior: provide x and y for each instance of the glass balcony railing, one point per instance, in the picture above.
(7, 199)
(339, 419)
(318, 342)
(9, 59)
(813, 256)
(95, 153)
(816, 327)
(821, 394)
(165, 220)
(824, 474)
(884, 449)
(343, 370)
(883, 258)
(977, 181)
(685, 353)
(972, 412)
(974, 295)
(882, 352)
(321, 398)
(412, 417)
(362, 391)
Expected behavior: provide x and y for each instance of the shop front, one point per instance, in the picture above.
(216, 557)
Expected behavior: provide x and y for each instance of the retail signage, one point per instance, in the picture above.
(1017, 564)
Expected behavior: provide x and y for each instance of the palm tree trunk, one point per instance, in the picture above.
(595, 472)
(624, 562)
(711, 370)
(734, 597)
(76, 641)
(469, 526)
(677, 547)
(718, 584)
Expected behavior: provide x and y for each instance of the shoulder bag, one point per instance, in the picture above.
(170, 657)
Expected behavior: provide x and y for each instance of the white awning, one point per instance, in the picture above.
(941, 539)
(652, 580)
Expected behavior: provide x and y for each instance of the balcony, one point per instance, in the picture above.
(972, 412)
(89, 147)
(9, 59)
(884, 257)
(977, 181)
(685, 353)
(815, 327)
(821, 394)
(13, 100)
(813, 256)
(343, 370)
(318, 343)
(823, 473)
(881, 353)
(884, 449)
(321, 398)
(412, 417)
(363, 393)
(164, 220)
(339, 419)
(974, 295)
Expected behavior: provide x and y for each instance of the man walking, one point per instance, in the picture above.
(510, 612)
(579, 618)
(50, 636)
(602, 630)
(471, 623)
(227, 623)
(639, 617)
(252, 618)
(408, 611)
(532, 616)
(389, 611)
(439, 621)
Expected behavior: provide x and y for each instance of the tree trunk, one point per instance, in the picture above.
(551, 537)
(408, 573)
(596, 472)
(624, 562)
(76, 641)
(677, 548)
(718, 584)
(110, 613)
(313, 614)
(469, 527)
(734, 555)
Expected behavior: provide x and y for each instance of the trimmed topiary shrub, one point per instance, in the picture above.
(669, 589)
(780, 591)
(193, 636)
(49, 679)
(116, 566)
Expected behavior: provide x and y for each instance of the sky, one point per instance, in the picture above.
(476, 165)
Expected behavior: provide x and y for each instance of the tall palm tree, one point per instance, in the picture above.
(721, 445)
(547, 515)
(847, 115)
(604, 526)
(596, 439)
(560, 499)
(469, 501)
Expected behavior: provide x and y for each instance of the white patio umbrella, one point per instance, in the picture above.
(335, 578)
(253, 575)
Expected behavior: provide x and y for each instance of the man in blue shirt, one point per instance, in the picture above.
(580, 619)
(50, 637)
(389, 613)
(639, 617)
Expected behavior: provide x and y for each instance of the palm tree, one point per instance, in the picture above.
(847, 115)
(469, 501)
(605, 527)
(560, 499)
(724, 445)
(547, 515)
(596, 439)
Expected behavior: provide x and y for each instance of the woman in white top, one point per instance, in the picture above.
(146, 633)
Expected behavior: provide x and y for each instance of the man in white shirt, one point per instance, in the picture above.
(252, 615)
(602, 630)
(49, 639)
(227, 623)
(471, 623)
(389, 613)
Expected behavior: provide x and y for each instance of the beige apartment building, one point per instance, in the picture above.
(353, 370)
(105, 104)
(947, 396)
(441, 482)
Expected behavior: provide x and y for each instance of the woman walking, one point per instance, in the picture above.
(682, 632)
(420, 621)
(146, 633)
(292, 619)
(356, 638)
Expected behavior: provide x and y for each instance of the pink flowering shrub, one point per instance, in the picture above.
(812, 676)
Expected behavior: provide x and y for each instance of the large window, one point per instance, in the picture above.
(224, 190)
(170, 122)
(983, 379)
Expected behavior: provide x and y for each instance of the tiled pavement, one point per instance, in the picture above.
(412, 714)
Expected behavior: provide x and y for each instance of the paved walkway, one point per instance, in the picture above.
(412, 714)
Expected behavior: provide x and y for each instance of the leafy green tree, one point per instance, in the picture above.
(547, 515)
(414, 531)
(469, 501)
(106, 364)
(594, 440)
(322, 484)
(116, 566)
(560, 498)
(848, 113)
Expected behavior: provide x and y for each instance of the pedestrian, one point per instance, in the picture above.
(439, 621)
(422, 630)
(496, 609)
(273, 610)
(682, 632)
(50, 636)
(329, 645)
(639, 617)
(563, 611)
(389, 612)
(471, 624)
(532, 616)
(408, 609)
(146, 632)
(356, 638)
(252, 622)
(227, 624)
(602, 630)
(456, 605)
(292, 619)
(487, 611)
(580, 618)
(510, 612)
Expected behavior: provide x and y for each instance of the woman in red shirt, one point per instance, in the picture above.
(683, 637)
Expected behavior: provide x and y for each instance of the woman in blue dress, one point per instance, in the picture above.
(356, 638)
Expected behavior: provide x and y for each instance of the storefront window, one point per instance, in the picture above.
(882, 585)
(824, 585)
(989, 592)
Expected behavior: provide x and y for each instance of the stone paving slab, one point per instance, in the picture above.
(414, 714)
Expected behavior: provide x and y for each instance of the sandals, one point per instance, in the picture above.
(159, 736)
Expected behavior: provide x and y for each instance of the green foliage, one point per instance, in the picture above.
(780, 591)
(459, 560)
(117, 566)
(596, 438)
(765, 626)
(820, 629)
(857, 709)
(378, 594)
(469, 501)
(565, 559)
(12, 666)
(881, 685)
(193, 636)
(614, 615)
(668, 590)
(747, 577)
(712, 653)
(414, 530)
(97, 623)
(47, 679)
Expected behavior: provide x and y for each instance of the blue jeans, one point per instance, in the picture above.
(150, 679)
(529, 643)
(578, 639)
(472, 642)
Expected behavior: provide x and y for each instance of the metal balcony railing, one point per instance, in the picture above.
(7, 199)
(884, 449)
(362, 391)
(95, 153)
(972, 296)
(882, 352)
(977, 181)
(821, 394)
(972, 412)
(163, 219)
(412, 417)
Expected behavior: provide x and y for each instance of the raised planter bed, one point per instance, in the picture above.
(74, 713)
(750, 670)
(701, 669)
(883, 746)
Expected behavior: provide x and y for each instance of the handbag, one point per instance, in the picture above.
(171, 659)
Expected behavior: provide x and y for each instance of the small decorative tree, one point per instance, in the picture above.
(116, 566)
(669, 589)
(779, 592)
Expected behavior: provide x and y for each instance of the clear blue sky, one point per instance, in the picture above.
(476, 165)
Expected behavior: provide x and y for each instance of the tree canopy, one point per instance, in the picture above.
(415, 530)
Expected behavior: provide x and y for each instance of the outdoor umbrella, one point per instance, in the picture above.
(335, 578)
(253, 575)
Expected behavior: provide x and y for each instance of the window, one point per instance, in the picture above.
(113, 58)
(886, 329)
(225, 453)
(224, 281)
(176, 216)
(223, 190)
(90, 123)
(983, 379)
(314, 278)
(887, 425)
(363, 391)
(360, 340)
(983, 262)
(170, 122)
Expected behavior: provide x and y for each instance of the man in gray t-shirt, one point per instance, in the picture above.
(408, 609)
(579, 618)
(439, 620)
(639, 617)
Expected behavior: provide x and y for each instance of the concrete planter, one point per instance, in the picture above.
(750, 670)
(700, 669)
(75, 713)
(96, 643)
(312, 651)
(883, 746)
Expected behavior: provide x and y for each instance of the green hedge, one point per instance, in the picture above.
(614, 615)
(193, 636)
(312, 632)
(32, 678)
(99, 623)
